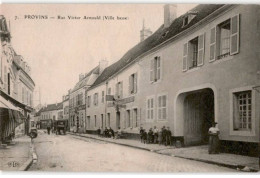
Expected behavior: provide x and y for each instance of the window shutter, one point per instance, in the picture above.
(234, 37)
(184, 59)
(158, 68)
(155, 68)
(135, 82)
(201, 44)
(117, 90)
(152, 71)
(121, 89)
(212, 44)
(130, 84)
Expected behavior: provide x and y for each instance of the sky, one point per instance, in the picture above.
(58, 50)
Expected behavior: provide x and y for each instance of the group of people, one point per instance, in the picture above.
(156, 136)
(108, 133)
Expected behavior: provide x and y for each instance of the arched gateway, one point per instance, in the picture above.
(195, 111)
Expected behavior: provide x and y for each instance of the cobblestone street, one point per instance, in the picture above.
(71, 153)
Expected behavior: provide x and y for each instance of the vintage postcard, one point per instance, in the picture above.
(130, 87)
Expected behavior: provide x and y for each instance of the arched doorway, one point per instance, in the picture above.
(198, 116)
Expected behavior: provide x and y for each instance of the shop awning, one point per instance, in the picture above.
(10, 118)
(7, 104)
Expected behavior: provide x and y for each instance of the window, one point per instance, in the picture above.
(119, 90)
(89, 101)
(88, 119)
(185, 21)
(224, 45)
(109, 91)
(150, 109)
(128, 119)
(224, 39)
(162, 105)
(95, 119)
(193, 53)
(95, 99)
(103, 96)
(102, 121)
(108, 119)
(242, 111)
(155, 70)
(135, 121)
(80, 99)
(133, 83)
(23, 95)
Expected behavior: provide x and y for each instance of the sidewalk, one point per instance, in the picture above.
(198, 153)
(16, 157)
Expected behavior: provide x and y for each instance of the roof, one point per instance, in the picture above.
(52, 107)
(157, 38)
(83, 82)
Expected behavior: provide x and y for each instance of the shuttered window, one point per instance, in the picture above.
(103, 96)
(150, 108)
(162, 107)
(155, 69)
(133, 83)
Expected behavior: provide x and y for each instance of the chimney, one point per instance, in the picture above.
(170, 14)
(144, 33)
(102, 65)
(81, 76)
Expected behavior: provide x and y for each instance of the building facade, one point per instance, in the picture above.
(16, 84)
(77, 104)
(49, 114)
(199, 68)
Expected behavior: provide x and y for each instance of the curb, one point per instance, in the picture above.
(30, 160)
(123, 144)
(237, 167)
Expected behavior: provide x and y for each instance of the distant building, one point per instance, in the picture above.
(65, 101)
(77, 105)
(49, 114)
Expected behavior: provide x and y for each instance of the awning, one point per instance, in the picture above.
(10, 118)
(7, 104)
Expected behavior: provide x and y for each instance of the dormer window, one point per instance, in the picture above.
(188, 18)
(185, 21)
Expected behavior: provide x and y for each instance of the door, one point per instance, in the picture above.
(193, 120)
(117, 120)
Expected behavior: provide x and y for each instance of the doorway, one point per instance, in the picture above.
(198, 116)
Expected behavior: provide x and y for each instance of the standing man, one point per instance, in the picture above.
(168, 136)
(213, 139)
(48, 128)
(164, 132)
(141, 133)
(155, 133)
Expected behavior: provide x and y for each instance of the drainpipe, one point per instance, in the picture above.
(106, 103)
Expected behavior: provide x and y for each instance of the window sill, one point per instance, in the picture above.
(193, 69)
(155, 82)
(242, 133)
(225, 58)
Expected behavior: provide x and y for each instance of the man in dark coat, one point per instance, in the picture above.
(111, 132)
(164, 133)
(144, 136)
(168, 136)
(141, 134)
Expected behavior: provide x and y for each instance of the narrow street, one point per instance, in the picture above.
(72, 153)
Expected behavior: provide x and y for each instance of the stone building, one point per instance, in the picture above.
(198, 68)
